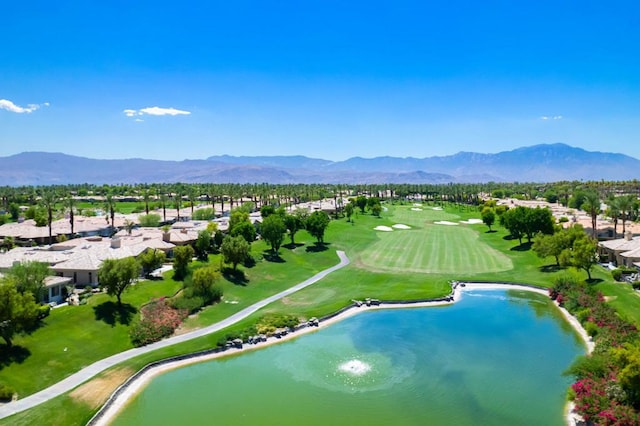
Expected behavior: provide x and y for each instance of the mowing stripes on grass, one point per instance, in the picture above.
(434, 249)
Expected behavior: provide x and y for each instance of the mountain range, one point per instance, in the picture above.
(538, 163)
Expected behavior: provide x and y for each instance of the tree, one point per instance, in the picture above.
(625, 204)
(273, 230)
(551, 245)
(18, 311)
(376, 209)
(110, 206)
(582, 254)
(591, 205)
(267, 210)
(29, 277)
(117, 274)
(488, 217)
(49, 199)
(361, 202)
(348, 211)
(234, 250)
(205, 284)
(203, 244)
(294, 222)
(70, 206)
(151, 260)
(182, 256)
(316, 225)
(244, 229)
(129, 225)
(514, 221)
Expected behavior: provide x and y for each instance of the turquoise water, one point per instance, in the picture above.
(493, 358)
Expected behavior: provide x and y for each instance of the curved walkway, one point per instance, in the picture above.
(87, 373)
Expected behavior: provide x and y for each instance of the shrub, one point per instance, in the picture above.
(636, 285)
(43, 311)
(616, 274)
(190, 304)
(157, 321)
(591, 329)
(149, 220)
(206, 213)
(6, 393)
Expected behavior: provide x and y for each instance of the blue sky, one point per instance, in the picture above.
(328, 79)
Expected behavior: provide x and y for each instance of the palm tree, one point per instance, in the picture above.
(70, 204)
(613, 211)
(146, 197)
(625, 203)
(49, 199)
(591, 205)
(110, 206)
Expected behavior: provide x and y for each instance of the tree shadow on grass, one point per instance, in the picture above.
(491, 231)
(292, 246)
(594, 281)
(112, 313)
(14, 354)
(551, 268)
(522, 247)
(235, 276)
(318, 247)
(270, 256)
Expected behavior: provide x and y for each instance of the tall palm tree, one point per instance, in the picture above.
(146, 197)
(591, 205)
(49, 199)
(625, 204)
(613, 211)
(70, 205)
(110, 206)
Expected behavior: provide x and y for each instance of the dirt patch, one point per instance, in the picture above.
(95, 392)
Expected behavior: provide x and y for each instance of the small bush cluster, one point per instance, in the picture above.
(6, 393)
(606, 391)
(157, 320)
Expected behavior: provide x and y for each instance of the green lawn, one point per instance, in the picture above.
(73, 337)
(430, 256)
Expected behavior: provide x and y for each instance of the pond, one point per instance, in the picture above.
(495, 357)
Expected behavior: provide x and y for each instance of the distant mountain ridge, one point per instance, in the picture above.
(538, 163)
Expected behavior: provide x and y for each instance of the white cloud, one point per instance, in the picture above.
(139, 120)
(155, 111)
(553, 117)
(10, 106)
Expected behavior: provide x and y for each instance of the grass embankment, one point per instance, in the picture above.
(376, 271)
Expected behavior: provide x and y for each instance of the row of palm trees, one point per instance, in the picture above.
(621, 197)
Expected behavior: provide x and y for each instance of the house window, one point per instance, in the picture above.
(90, 278)
(55, 291)
(75, 277)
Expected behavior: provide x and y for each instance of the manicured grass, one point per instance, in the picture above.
(73, 337)
(359, 280)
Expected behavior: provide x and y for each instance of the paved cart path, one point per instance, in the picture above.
(97, 367)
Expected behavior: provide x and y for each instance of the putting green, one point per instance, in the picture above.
(430, 248)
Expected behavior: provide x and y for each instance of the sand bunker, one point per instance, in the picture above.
(444, 222)
(415, 209)
(383, 228)
(471, 221)
(437, 208)
(400, 226)
(417, 204)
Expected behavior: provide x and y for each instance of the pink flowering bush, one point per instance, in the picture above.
(157, 321)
